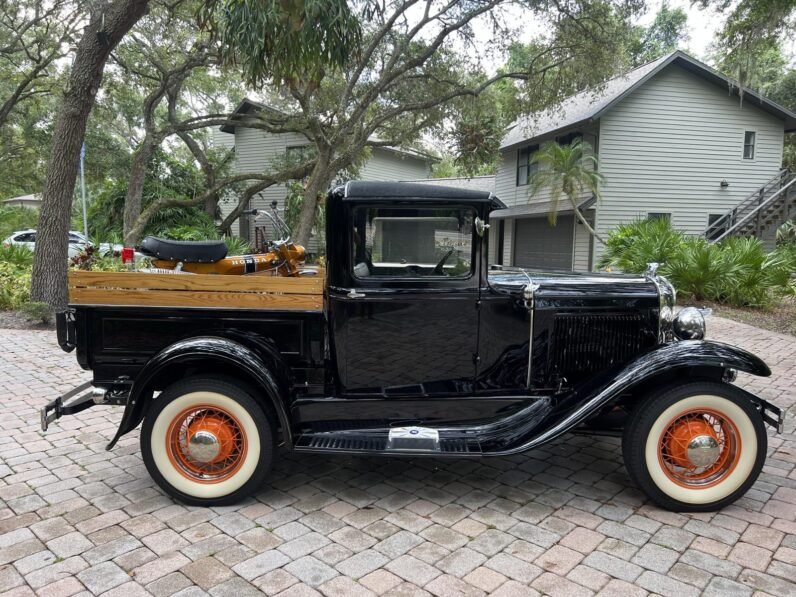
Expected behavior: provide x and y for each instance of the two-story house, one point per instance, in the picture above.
(673, 140)
(255, 149)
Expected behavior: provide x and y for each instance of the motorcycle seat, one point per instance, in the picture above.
(187, 251)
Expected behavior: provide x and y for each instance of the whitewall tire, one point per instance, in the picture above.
(207, 442)
(695, 447)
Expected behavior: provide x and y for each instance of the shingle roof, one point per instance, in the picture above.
(590, 104)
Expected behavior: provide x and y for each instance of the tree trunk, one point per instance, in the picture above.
(583, 221)
(135, 188)
(318, 182)
(100, 37)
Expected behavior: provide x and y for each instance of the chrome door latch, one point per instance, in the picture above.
(352, 294)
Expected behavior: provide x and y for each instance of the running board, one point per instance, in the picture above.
(398, 440)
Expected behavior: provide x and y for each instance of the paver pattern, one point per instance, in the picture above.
(563, 520)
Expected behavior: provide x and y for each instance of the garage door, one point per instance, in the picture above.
(540, 245)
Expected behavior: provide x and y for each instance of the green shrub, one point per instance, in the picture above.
(786, 233)
(14, 285)
(736, 271)
(699, 269)
(237, 246)
(16, 255)
(36, 311)
(632, 246)
(202, 228)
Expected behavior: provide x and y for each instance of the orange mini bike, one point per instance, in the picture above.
(283, 257)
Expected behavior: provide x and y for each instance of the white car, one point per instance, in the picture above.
(27, 238)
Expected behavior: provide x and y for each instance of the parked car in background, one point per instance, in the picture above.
(77, 242)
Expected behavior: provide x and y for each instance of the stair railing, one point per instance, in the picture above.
(730, 220)
(757, 211)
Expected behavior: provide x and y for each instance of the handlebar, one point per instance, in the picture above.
(280, 225)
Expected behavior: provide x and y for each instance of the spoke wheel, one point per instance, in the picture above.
(696, 446)
(206, 443)
(699, 448)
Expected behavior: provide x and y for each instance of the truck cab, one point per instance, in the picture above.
(410, 344)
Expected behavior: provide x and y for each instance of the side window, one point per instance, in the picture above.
(749, 145)
(413, 243)
(28, 237)
(524, 166)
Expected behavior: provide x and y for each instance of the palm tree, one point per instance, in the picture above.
(567, 170)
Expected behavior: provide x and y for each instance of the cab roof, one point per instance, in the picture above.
(362, 190)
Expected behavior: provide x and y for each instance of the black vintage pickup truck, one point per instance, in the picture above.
(410, 344)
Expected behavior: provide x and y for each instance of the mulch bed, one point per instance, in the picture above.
(17, 321)
(780, 318)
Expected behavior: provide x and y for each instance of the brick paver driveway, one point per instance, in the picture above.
(563, 520)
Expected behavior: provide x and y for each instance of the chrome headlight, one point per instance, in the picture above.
(668, 296)
(689, 324)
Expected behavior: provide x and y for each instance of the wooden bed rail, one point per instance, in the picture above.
(196, 291)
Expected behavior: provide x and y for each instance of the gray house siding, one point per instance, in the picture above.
(582, 246)
(668, 145)
(514, 195)
(665, 148)
(384, 164)
(255, 149)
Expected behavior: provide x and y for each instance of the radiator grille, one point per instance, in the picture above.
(585, 344)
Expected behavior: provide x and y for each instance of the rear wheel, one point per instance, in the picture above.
(695, 447)
(207, 442)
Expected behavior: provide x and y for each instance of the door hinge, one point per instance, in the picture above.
(476, 359)
(478, 305)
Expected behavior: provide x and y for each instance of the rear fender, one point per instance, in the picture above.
(685, 356)
(261, 363)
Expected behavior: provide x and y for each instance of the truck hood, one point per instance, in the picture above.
(570, 284)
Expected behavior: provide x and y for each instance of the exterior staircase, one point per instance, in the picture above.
(760, 213)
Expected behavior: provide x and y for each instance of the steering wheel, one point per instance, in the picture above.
(438, 268)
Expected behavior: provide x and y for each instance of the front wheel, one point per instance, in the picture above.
(696, 447)
(207, 442)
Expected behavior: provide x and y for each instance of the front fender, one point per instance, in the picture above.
(204, 348)
(588, 399)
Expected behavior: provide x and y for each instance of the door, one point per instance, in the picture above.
(408, 326)
(540, 245)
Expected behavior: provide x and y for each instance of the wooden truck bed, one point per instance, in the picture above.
(196, 291)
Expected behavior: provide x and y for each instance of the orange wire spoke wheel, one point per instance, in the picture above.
(699, 448)
(206, 444)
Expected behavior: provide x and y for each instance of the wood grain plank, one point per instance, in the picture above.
(195, 299)
(198, 282)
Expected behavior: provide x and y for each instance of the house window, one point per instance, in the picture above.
(568, 139)
(653, 215)
(298, 153)
(525, 167)
(749, 145)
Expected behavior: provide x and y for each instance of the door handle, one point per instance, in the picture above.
(352, 294)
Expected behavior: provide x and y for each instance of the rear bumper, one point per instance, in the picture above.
(73, 402)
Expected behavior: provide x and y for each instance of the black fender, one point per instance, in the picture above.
(588, 399)
(262, 367)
